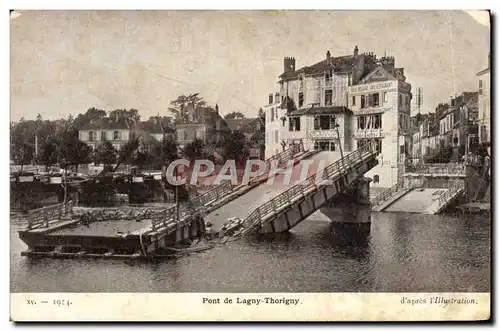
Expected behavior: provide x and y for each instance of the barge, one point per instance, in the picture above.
(58, 231)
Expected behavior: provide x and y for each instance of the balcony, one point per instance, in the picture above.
(371, 133)
(322, 134)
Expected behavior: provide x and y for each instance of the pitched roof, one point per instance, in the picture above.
(235, 124)
(203, 115)
(154, 127)
(243, 123)
(109, 123)
(340, 64)
(376, 75)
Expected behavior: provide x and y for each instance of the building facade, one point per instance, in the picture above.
(254, 130)
(484, 102)
(274, 125)
(341, 103)
(118, 131)
(202, 123)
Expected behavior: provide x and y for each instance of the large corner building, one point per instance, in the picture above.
(341, 103)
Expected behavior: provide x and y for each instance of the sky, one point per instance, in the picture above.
(63, 62)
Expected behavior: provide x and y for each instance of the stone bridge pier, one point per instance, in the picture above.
(350, 214)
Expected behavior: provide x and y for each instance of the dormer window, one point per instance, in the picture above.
(328, 75)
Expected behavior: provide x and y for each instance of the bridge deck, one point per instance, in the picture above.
(245, 204)
(104, 228)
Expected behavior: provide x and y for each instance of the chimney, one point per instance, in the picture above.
(216, 108)
(328, 55)
(356, 50)
(289, 64)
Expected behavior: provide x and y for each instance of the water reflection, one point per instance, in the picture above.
(402, 253)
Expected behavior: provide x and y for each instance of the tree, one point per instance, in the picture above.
(22, 153)
(234, 116)
(126, 152)
(105, 154)
(76, 152)
(261, 113)
(194, 150)
(22, 142)
(131, 116)
(50, 153)
(178, 106)
(92, 114)
(237, 147)
(164, 152)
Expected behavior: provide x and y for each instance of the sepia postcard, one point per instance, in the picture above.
(278, 165)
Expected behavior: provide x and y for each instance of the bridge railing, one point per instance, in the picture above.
(168, 217)
(45, 216)
(437, 168)
(299, 191)
(221, 191)
(387, 193)
(450, 193)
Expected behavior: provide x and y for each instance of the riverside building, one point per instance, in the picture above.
(341, 103)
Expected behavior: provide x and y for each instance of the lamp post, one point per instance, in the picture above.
(338, 139)
(340, 145)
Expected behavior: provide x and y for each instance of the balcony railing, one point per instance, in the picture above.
(437, 168)
(168, 219)
(450, 193)
(371, 133)
(387, 193)
(298, 192)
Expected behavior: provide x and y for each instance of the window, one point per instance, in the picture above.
(378, 145)
(270, 98)
(116, 135)
(276, 136)
(480, 87)
(400, 100)
(91, 136)
(301, 99)
(385, 97)
(328, 76)
(354, 100)
(377, 119)
(361, 122)
(103, 135)
(363, 101)
(328, 97)
(324, 122)
(294, 123)
(375, 100)
(323, 145)
(272, 114)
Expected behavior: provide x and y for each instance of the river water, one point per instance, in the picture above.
(404, 253)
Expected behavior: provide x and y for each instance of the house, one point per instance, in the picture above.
(484, 105)
(203, 123)
(274, 122)
(157, 128)
(254, 130)
(341, 103)
(117, 130)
